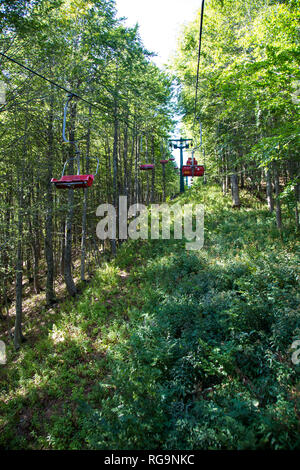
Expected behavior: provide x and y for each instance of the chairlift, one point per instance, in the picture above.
(73, 181)
(191, 168)
(147, 167)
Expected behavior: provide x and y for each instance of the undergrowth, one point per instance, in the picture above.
(169, 349)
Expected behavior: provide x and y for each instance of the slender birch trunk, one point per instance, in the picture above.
(50, 293)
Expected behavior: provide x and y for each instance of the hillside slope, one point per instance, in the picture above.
(167, 348)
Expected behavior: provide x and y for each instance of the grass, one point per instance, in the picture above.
(168, 349)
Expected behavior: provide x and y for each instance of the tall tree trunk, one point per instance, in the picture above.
(125, 159)
(147, 195)
(224, 179)
(297, 198)
(136, 171)
(277, 193)
(69, 220)
(85, 203)
(62, 246)
(153, 171)
(164, 182)
(270, 199)
(5, 256)
(35, 238)
(130, 186)
(115, 174)
(293, 173)
(50, 293)
(235, 190)
(18, 335)
(34, 252)
(108, 171)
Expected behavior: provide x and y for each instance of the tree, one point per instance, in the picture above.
(248, 70)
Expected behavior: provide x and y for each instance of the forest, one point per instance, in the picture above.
(140, 344)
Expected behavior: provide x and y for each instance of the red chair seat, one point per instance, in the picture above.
(74, 181)
(196, 170)
(147, 167)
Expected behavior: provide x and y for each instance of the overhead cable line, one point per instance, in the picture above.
(198, 64)
(97, 106)
(50, 81)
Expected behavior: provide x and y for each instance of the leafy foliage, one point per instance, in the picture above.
(207, 364)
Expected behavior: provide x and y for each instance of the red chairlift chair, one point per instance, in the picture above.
(73, 181)
(147, 166)
(191, 168)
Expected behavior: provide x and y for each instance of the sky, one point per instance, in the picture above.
(160, 22)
